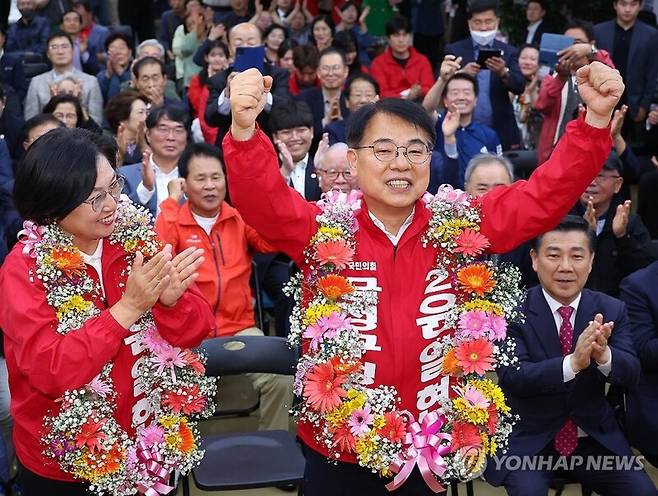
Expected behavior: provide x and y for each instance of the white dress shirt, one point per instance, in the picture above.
(394, 238)
(532, 29)
(161, 181)
(298, 176)
(95, 261)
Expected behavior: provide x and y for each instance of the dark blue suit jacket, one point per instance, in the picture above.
(313, 97)
(133, 176)
(536, 391)
(12, 74)
(504, 122)
(642, 67)
(639, 292)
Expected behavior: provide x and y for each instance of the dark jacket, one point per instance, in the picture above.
(28, 38)
(313, 97)
(504, 122)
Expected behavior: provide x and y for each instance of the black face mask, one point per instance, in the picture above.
(28, 13)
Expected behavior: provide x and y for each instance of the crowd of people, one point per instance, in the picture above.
(233, 125)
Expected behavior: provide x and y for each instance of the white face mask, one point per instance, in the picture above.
(483, 37)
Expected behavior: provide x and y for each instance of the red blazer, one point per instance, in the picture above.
(410, 311)
(198, 94)
(43, 364)
(393, 79)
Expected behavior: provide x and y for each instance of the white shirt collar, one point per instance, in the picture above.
(555, 305)
(94, 257)
(394, 238)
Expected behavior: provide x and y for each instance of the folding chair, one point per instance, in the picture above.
(524, 162)
(247, 460)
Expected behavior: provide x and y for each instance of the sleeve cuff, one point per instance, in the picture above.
(451, 150)
(268, 103)
(223, 104)
(606, 367)
(567, 372)
(144, 194)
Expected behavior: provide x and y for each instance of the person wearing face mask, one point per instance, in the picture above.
(498, 77)
(30, 33)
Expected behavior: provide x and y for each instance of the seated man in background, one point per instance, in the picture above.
(333, 169)
(458, 135)
(639, 293)
(306, 59)
(623, 244)
(207, 221)
(568, 350)
(359, 90)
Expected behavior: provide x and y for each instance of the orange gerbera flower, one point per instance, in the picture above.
(187, 438)
(68, 261)
(111, 462)
(344, 368)
(338, 253)
(450, 364)
(475, 356)
(323, 388)
(394, 429)
(476, 278)
(464, 435)
(334, 287)
(344, 439)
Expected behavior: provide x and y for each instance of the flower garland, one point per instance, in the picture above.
(351, 418)
(84, 437)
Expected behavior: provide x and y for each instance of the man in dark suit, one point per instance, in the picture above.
(639, 293)
(11, 68)
(535, 12)
(633, 46)
(497, 78)
(567, 351)
(327, 103)
(218, 109)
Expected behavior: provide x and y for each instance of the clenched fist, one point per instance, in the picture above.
(248, 94)
(600, 88)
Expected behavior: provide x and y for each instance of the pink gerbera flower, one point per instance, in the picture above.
(471, 243)
(334, 323)
(360, 421)
(323, 388)
(168, 358)
(473, 324)
(99, 387)
(474, 397)
(338, 253)
(314, 333)
(152, 434)
(497, 328)
(475, 356)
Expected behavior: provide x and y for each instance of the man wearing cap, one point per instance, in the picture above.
(623, 244)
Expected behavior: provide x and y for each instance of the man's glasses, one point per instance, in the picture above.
(333, 174)
(387, 151)
(114, 190)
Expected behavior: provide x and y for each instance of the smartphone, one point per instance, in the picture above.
(249, 58)
(550, 45)
(487, 53)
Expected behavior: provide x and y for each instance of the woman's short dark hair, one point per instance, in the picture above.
(201, 150)
(50, 107)
(321, 18)
(345, 41)
(360, 76)
(170, 111)
(271, 28)
(349, 4)
(287, 44)
(405, 110)
(209, 47)
(57, 173)
(119, 107)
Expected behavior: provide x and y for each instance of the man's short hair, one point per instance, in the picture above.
(570, 223)
(84, 3)
(61, 18)
(586, 26)
(339, 146)
(151, 42)
(333, 51)
(487, 158)
(463, 77)
(148, 61)
(173, 112)
(405, 110)
(58, 34)
(118, 35)
(397, 24)
(305, 56)
(542, 3)
(360, 76)
(479, 6)
(290, 114)
(198, 150)
(39, 120)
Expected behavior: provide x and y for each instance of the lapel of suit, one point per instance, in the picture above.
(541, 321)
(310, 183)
(586, 312)
(635, 44)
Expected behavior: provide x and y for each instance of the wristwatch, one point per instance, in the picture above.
(594, 50)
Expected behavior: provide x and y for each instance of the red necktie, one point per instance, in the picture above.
(566, 439)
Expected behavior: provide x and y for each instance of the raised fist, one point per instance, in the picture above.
(248, 94)
(600, 88)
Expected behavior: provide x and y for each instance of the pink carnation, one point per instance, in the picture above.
(474, 324)
(497, 328)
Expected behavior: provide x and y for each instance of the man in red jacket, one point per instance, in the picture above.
(401, 71)
(389, 255)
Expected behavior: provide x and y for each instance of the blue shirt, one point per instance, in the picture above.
(28, 38)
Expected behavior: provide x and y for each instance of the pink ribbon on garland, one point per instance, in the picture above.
(30, 235)
(423, 446)
(154, 470)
